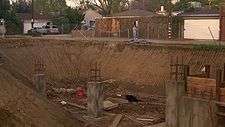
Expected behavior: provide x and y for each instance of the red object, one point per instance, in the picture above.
(80, 93)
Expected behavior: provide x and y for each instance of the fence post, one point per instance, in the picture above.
(119, 33)
(128, 33)
(207, 71)
(218, 84)
(186, 74)
(224, 72)
(148, 31)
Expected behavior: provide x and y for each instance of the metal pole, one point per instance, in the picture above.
(32, 14)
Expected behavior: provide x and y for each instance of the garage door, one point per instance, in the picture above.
(200, 29)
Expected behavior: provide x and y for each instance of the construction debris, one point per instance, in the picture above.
(147, 119)
(116, 121)
(108, 105)
(118, 100)
(63, 90)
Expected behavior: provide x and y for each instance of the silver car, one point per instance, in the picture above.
(38, 30)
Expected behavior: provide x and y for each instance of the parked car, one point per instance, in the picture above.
(37, 30)
(44, 30)
(52, 29)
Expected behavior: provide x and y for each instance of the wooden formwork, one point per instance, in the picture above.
(155, 27)
(202, 86)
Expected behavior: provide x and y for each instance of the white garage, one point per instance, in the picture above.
(200, 25)
(201, 29)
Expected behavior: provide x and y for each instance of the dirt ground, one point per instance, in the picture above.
(141, 70)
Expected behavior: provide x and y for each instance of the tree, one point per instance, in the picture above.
(185, 5)
(22, 6)
(106, 7)
(49, 6)
(150, 5)
(13, 23)
(4, 5)
(71, 19)
(74, 16)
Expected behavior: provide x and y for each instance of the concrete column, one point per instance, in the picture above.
(175, 90)
(40, 83)
(95, 99)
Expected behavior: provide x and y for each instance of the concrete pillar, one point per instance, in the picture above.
(40, 83)
(95, 99)
(175, 90)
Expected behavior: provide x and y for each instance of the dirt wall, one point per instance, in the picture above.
(140, 65)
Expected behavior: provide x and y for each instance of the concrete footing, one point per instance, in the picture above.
(95, 99)
(40, 83)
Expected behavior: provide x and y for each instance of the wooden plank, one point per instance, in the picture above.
(116, 121)
(221, 114)
(76, 105)
(201, 81)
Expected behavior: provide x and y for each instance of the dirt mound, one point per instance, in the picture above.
(20, 106)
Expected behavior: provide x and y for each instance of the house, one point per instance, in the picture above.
(90, 17)
(200, 24)
(39, 21)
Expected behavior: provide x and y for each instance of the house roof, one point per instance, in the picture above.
(201, 12)
(28, 16)
(92, 15)
(135, 12)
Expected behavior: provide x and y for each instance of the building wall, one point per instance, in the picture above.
(199, 28)
(27, 25)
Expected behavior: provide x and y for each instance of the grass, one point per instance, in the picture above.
(208, 47)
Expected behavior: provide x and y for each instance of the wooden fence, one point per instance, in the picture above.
(155, 27)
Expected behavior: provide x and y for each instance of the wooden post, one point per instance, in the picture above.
(128, 33)
(40, 83)
(224, 72)
(207, 71)
(218, 84)
(148, 31)
(95, 99)
(119, 33)
(186, 74)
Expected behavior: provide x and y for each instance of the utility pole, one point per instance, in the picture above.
(32, 14)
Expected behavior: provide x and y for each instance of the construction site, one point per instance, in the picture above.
(85, 83)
